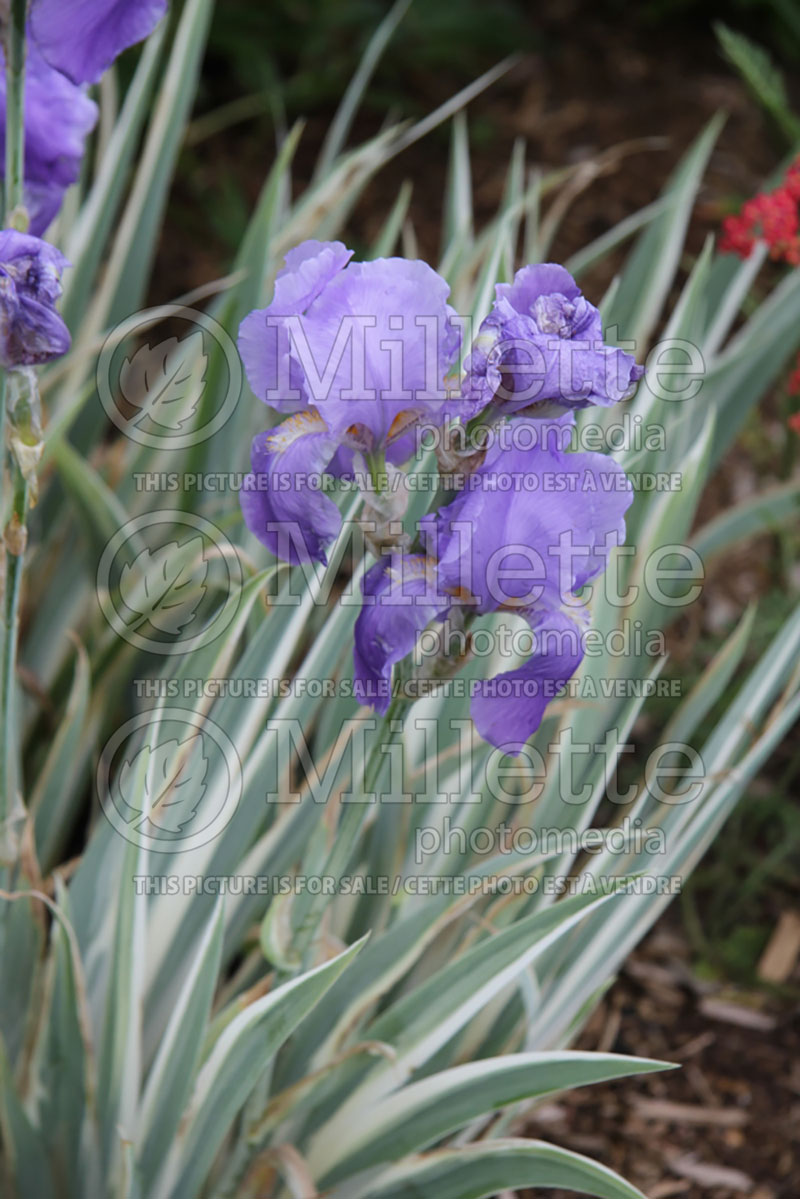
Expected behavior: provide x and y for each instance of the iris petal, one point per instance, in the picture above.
(508, 709)
(289, 514)
(400, 600)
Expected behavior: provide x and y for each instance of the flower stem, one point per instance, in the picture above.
(15, 105)
(9, 774)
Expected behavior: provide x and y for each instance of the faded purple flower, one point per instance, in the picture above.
(543, 340)
(81, 38)
(31, 330)
(58, 117)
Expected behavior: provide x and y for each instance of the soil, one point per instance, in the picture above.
(723, 1126)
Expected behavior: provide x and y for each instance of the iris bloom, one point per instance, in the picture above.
(69, 43)
(358, 353)
(543, 340)
(354, 355)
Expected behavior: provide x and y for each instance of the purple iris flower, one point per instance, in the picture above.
(31, 330)
(360, 351)
(543, 340)
(58, 117)
(366, 344)
(69, 43)
(81, 38)
(533, 526)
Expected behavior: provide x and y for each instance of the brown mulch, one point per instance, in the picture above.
(724, 1125)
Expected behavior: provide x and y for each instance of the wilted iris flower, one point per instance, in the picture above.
(31, 331)
(543, 341)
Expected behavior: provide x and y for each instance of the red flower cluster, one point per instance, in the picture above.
(772, 217)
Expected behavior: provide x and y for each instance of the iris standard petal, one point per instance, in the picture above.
(264, 342)
(375, 346)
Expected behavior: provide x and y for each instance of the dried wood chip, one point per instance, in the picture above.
(665, 1190)
(690, 1113)
(783, 949)
(695, 1046)
(708, 1175)
(736, 1013)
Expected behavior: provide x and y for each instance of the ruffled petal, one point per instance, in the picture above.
(543, 341)
(264, 343)
(535, 280)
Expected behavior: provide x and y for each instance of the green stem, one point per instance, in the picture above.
(14, 46)
(15, 106)
(9, 771)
